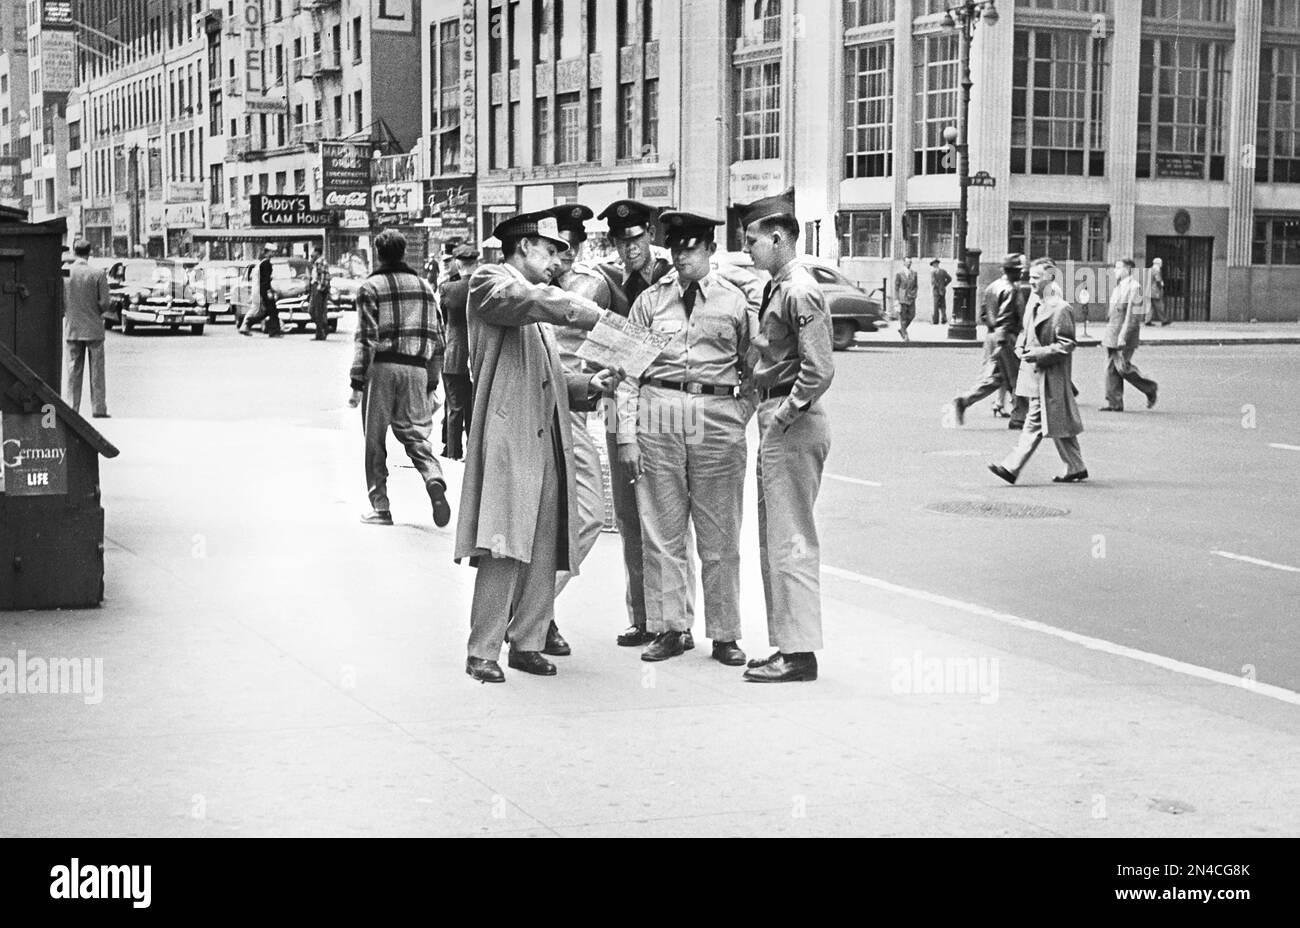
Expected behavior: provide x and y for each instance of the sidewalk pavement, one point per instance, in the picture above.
(273, 667)
(926, 335)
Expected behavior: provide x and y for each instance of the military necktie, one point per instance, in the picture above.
(635, 284)
(767, 297)
(688, 298)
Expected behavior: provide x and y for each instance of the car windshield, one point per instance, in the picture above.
(144, 272)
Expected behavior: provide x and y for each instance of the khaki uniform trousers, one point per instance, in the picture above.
(590, 488)
(790, 465)
(693, 472)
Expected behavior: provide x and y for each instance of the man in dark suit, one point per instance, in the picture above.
(452, 296)
(631, 226)
(266, 297)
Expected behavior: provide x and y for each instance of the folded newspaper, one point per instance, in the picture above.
(616, 342)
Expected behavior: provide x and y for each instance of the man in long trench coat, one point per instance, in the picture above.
(1045, 346)
(518, 508)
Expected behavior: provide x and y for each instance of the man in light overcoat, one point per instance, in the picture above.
(1045, 347)
(518, 510)
(1123, 332)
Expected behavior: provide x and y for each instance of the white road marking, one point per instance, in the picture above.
(1255, 560)
(1284, 447)
(1095, 644)
(864, 483)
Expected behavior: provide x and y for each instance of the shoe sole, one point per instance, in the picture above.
(739, 663)
(799, 678)
(654, 660)
(482, 679)
(441, 510)
(557, 653)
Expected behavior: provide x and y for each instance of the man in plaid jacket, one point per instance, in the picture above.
(399, 333)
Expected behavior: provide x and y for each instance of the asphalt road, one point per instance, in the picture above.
(1129, 559)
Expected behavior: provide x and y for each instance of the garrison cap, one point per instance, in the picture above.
(465, 253)
(780, 205)
(541, 224)
(687, 229)
(572, 218)
(628, 218)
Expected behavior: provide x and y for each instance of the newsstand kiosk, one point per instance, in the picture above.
(51, 520)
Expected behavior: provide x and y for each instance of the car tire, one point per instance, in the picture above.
(128, 327)
(842, 339)
(197, 329)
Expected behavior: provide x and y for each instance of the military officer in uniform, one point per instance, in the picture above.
(631, 226)
(793, 371)
(577, 278)
(684, 432)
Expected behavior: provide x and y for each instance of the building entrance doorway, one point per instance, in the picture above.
(1187, 264)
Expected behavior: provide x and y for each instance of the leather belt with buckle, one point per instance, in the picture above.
(765, 395)
(695, 388)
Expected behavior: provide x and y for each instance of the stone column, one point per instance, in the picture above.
(1121, 146)
(903, 15)
(1242, 116)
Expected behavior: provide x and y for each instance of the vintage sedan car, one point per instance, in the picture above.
(852, 309)
(344, 287)
(216, 282)
(151, 292)
(291, 281)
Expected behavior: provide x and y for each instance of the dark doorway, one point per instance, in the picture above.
(1187, 265)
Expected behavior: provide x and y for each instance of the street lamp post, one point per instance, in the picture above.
(964, 18)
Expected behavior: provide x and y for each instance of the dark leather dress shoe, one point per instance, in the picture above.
(764, 661)
(1016, 426)
(438, 497)
(556, 646)
(1151, 400)
(688, 641)
(1071, 478)
(1110, 409)
(959, 411)
(634, 636)
(665, 645)
(1003, 473)
(531, 662)
(729, 653)
(785, 668)
(484, 671)
(378, 518)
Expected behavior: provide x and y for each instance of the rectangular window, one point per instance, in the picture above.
(650, 20)
(867, 12)
(934, 84)
(356, 108)
(300, 180)
(930, 233)
(543, 147)
(1061, 235)
(758, 111)
(1191, 11)
(650, 118)
(216, 182)
(449, 74)
(865, 233)
(512, 152)
(626, 115)
(623, 22)
(494, 135)
(568, 136)
(593, 125)
(516, 34)
(1277, 136)
(568, 28)
(356, 39)
(74, 134)
(281, 179)
(1282, 13)
(1182, 98)
(869, 110)
(592, 21)
(544, 30)
(1057, 91)
(1276, 240)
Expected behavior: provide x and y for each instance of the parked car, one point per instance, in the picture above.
(291, 281)
(216, 281)
(852, 309)
(157, 291)
(344, 287)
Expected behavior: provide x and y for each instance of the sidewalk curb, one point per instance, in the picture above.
(1218, 341)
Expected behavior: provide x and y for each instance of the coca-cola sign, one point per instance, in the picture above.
(345, 166)
(350, 199)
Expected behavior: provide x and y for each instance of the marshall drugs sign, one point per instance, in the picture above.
(33, 458)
